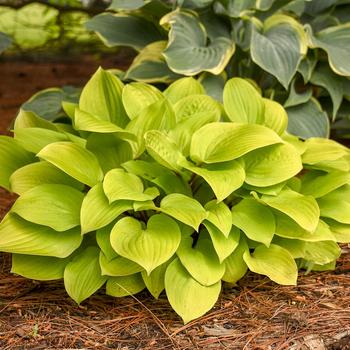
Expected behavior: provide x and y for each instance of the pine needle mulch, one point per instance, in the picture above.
(255, 315)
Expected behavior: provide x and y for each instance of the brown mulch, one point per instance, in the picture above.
(256, 314)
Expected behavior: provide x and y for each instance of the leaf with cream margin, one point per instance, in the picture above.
(82, 276)
(271, 165)
(32, 175)
(304, 210)
(148, 247)
(255, 220)
(120, 185)
(242, 102)
(54, 205)
(22, 237)
(74, 160)
(183, 208)
(96, 211)
(220, 142)
(187, 297)
(201, 261)
(274, 262)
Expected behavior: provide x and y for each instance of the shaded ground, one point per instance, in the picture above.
(257, 314)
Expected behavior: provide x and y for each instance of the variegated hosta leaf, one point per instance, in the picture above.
(255, 220)
(214, 84)
(42, 268)
(220, 142)
(273, 261)
(201, 261)
(124, 30)
(273, 164)
(295, 97)
(96, 211)
(102, 98)
(188, 52)
(187, 297)
(124, 285)
(280, 47)
(74, 160)
(302, 209)
(148, 247)
(82, 276)
(335, 41)
(242, 102)
(12, 157)
(149, 66)
(223, 178)
(308, 120)
(23, 237)
(53, 205)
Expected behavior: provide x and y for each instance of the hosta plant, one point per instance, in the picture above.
(296, 51)
(141, 189)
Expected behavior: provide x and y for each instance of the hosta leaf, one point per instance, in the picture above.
(120, 5)
(235, 266)
(124, 285)
(275, 116)
(219, 215)
(308, 120)
(302, 209)
(96, 211)
(110, 150)
(273, 190)
(12, 157)
(288, 228)
(23, 237)
(187, 297)
(340, 231)
(188, 52)
(155, 282)
(120, 185)
(5, 42)
(335, 41)
(322, 252)
(223, 246)
(104, 242)
(88, 122)
(183, 131)
(26, 119)
(336, 204)
(42, 268)
(149, 65)
(74, 160)
(82, 276)
(200, 261)
(118, 266)
(213, 84)
(124, 30)
(191, 105)
(137, 96)
(323, 76)
(242, 102)
(255, 220)
(318, 185)
(150, 247)
(163, 150)
(53, 205)
(220, 142)
(102, 98)
(273, 164)
(280, 47)
(295, 97)
(319, 150)
(274, 262)
(182, 88)
(32, 175)
(183, 208)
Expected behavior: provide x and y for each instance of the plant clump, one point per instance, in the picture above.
(136, 188)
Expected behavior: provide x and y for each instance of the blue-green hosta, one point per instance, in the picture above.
(143, 189)
(296, 51)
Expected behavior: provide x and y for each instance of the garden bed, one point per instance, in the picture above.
(256, 314)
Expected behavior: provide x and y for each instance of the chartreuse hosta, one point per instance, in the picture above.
(143, 189)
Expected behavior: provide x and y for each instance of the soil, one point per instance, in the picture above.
(255, 314)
